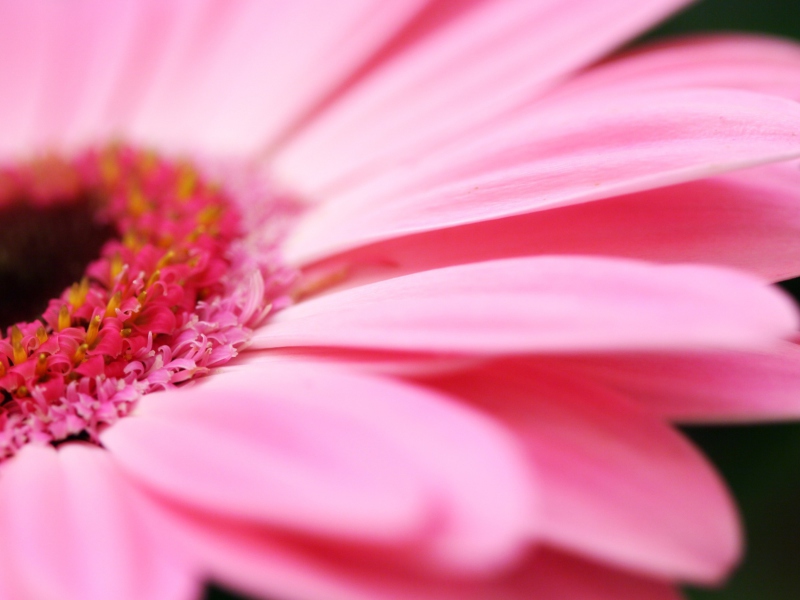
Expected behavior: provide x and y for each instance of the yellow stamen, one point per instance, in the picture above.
(80, 353)
(77, 293)
(209, 214)
(22, 391)
(116, 266)
(153, 278)
(41, 365)
(137, 203)
(165, 260)
(19, 353)
(113, 304)
(2, 368)
(93, 329)
(41, 335)
(186, 183)
(64, 320)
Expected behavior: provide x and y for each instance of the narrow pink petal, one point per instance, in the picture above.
(560, 154)
(618, 483)
(307, 447)
(252, 68)
(745, 62)
(747, 220)
(72, 530)
(490, 58)
(541, 304)
(705, 387)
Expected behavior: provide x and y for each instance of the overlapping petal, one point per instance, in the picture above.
(561, 155)
(305, 447)
(746, 219)
(468, 69)
(74, 529)
(618, 482)
(541, 304)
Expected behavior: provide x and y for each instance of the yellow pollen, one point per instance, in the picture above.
(186, 183)
(80, 353)
(19, 353)
(41, 335)
(113, 304)
(153, 278)
(41, 365)
(165, 260)
(93, 329)
(126, 331)
(132, 241)
(137, 203)
(109, 168)
(141, 299)
(64, 320)
(116, 266)
(209, 214)
(22, 391)
(77, 293)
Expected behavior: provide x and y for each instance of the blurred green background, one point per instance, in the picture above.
(760, 463)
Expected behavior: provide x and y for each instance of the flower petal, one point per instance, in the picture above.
(252, 68)
(72, 529)
(705, 387)
(24, 31)
(540, 304)
(747, 220)
(560, 154)
(474, 67)
(307, 447)
(745, 62)
(618, 483)
(261, 566)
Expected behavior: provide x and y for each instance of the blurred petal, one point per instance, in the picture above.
(562, 154)
(705, 387)
(310, 448)
(251, 68)
(492, 57)
(73, 530)
(540, 304)
(618, 483)
(745, 62)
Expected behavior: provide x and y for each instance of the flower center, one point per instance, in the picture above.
(43, 250)
(135, 274)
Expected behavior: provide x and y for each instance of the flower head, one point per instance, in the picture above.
(385, 299)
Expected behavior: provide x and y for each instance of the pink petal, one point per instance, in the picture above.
(72, 529)
(540, 304)
(472, 68)
(259, 565)
(706, 387)
(747, 220)
(24, 32)
(561, 154)
(618, 483)
(84, 54)
(759, 64)
(310, 448)
(250, 69)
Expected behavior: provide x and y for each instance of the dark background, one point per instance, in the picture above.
(760, 463)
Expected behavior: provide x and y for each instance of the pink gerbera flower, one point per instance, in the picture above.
(420, 284)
